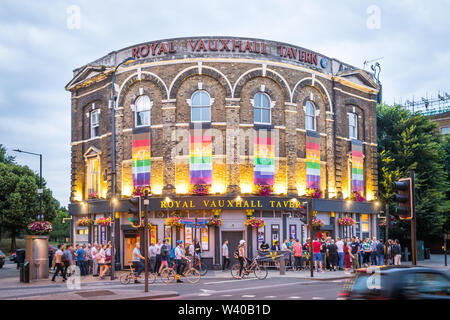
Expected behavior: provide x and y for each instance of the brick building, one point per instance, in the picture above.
(234, 114)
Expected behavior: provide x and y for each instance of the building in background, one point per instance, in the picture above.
(258, 124)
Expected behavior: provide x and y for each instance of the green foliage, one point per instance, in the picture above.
(407, 142)
(61, 230)
(19, 200)
(4, 158)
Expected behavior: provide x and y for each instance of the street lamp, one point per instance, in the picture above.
(40, 190)
(113, 163)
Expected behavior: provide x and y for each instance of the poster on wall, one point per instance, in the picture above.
(154, 234)
(275, 233)
(168, 234)
(293, 231)
(205, 240)
(187, 235)
(261, 236)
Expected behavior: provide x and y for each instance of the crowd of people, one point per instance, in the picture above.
(337, 254)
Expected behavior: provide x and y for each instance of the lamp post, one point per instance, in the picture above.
(113, 164)
(40, 191)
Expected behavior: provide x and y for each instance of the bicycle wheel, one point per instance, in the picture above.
(235, 271)
(124, 278)
(260, 272)
(167, 276)
(202, 268)
(151, 277)
(192, 275)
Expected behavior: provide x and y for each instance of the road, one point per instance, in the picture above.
(217, 288)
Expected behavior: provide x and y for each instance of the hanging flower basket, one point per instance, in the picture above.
(346, 221)
(85, 222)
(254, 222)
(216, 212)
(137, 226)
(314, 193)
(200, 189)
(215, 222)
(93, 196)
(173, 221)
(249, 212)
(39, 227)
(356, 196)
(103, 221)
(140, 191)
(317, 223)
(263, 190)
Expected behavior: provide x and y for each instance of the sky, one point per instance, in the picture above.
(41, 42)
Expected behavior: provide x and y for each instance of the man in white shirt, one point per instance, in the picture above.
(340, 251)
(136, 259)
(158, 246)
(152, 256)
(283, 246)
(180, 258)
(225, 256)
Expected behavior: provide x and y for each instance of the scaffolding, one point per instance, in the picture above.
(429, 106)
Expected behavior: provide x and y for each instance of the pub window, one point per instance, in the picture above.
(310, 116)
(261, 108)
(92, 176)
(95, 115)
(142, 111)
(200, 107)
(352, 125)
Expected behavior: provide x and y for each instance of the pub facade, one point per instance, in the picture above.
(232, 137)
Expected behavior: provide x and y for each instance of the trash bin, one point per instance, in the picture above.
(25, 272)
(427, 253)
(20, 257)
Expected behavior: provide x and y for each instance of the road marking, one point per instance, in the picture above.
(294, 297)
(204, 294)
(269, 297)
(248, 296)
(227, 295)
(234, 280)
(317, 298)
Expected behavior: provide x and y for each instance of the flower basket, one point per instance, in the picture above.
(173, 221)
(263, 190)
(103, 221)
(140, 191)
(346, 221)
(85, 222)
(356, 196)
(254, 222)
(39, 228)
(200, 189)
(215, 222)
(93, 195)
(317, 223)
(314, 193)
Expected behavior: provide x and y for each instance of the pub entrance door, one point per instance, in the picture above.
(130, 240)
(233, 238)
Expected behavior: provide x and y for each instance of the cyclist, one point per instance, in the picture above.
(180, 259)
(242, 258)
(136, 260)
(165, 256)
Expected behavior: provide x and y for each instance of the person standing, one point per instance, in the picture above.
(332, 255)
(198, 249)
(158, 257)
(367, 252)
(397, 252)
(340, 252)
(373, 255)
(241, 255)
(348, 256)
(165, 257)
(354, 246)
(79, 254)
(59, 265)
(89, 258)
(68, 259)
(297, 248)
(225, 256)
(152, 257)
(94, 253)
(380, 253)
(317, 256)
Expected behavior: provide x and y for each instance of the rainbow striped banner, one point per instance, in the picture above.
(312, 159)
(263, 159)
(357, 167)
(140, 151)
(200, 162)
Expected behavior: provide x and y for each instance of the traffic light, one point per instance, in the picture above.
(136, 210)
(404, 198)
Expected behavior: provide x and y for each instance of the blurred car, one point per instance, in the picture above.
(397, 283)
(2, 259)
(13, 257)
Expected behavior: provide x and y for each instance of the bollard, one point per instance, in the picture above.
(282, 265)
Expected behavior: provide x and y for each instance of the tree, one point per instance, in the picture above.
(61, 230)
(408, 141)
(19, 201)
(4, 158)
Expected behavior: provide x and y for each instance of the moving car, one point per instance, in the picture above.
(2, 259)
(397, 283)
(13, 257)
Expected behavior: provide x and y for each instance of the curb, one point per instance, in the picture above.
(161, 296)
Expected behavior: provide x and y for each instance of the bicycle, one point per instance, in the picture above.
(197, 264)
(259, 270)
(191, 274)
(127, 277)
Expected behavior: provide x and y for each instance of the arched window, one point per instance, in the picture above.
(261, 108)
(200, 107)
(310, 116)
(143, 105)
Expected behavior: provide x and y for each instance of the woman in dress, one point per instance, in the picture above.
(347, 257)
(102, 262)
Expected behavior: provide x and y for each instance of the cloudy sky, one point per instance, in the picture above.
(41, 42)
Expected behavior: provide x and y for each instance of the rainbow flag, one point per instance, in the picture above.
(200, 162)
(263, 160)
(141, 157)
(357, 167)
(312, 159)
